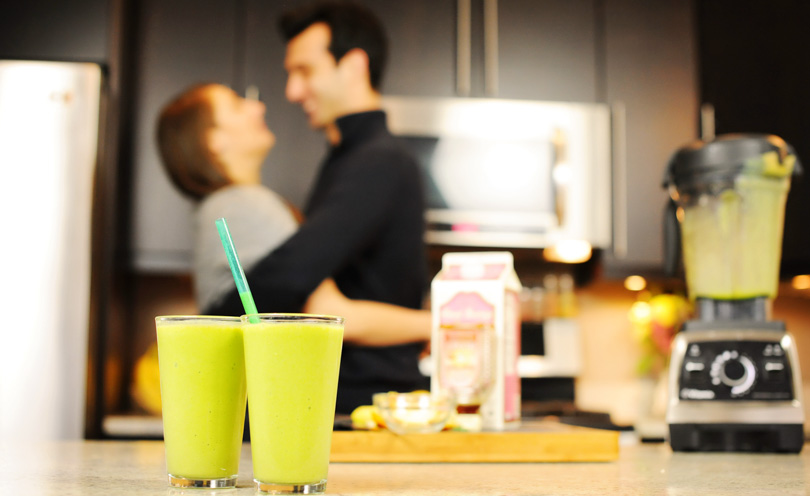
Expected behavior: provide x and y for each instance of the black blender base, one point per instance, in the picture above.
(771, 438)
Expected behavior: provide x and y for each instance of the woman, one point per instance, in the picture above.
(213, 143)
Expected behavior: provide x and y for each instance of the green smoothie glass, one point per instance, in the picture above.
(202, 389)
(292, 363)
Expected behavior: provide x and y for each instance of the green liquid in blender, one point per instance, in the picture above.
(732, 242)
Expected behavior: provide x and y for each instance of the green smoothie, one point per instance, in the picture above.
(292, 372)
(202, 388)
(732, 242)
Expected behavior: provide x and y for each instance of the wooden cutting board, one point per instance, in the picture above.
(532, 442)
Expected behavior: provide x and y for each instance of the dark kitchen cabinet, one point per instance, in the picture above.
(547, 50)
(422, 46)
(542, 49)
(651, 83)
(179, 43)
(56, 30)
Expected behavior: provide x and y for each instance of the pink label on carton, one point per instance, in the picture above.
(484, 272)
(511, 355)
(467, 309)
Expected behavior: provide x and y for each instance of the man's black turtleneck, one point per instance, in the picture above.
(364, 228)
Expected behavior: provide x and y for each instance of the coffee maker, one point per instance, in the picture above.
(734, 379)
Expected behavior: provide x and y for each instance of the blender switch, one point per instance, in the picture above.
(694, 366)
(774, 366)
(693, 373)
(774, 371)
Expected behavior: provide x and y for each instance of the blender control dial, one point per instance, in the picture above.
(734, 370)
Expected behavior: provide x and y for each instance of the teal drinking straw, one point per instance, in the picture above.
(236, 270)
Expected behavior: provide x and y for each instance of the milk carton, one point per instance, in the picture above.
(475, 301)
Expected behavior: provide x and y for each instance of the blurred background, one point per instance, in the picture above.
(669, 71)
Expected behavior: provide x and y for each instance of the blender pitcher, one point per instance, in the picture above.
(730, 195)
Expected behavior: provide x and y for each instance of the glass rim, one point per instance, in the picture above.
(292, 317)
(187, 318)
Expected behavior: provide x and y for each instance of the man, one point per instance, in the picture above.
(364, 220)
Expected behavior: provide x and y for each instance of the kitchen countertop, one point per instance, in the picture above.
(138, 467)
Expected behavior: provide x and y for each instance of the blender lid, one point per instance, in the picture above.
(725, 156)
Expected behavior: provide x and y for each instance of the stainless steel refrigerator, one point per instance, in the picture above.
(49, 129)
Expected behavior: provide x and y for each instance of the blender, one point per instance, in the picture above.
(734, 379)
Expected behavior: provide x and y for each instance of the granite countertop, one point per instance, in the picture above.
(138, 467)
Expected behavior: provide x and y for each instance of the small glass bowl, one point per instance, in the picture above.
(414, 413)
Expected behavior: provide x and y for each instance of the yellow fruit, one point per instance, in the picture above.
(667, 309)
(375, 414)
(366, 417)
(146, 381)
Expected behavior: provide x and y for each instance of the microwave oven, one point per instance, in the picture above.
(509, 173)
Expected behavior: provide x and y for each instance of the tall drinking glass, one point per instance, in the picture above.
(292, 363)
(202, 389)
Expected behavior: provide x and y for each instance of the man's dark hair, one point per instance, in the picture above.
(352, 26)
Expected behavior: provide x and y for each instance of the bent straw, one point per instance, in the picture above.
(236, 270)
